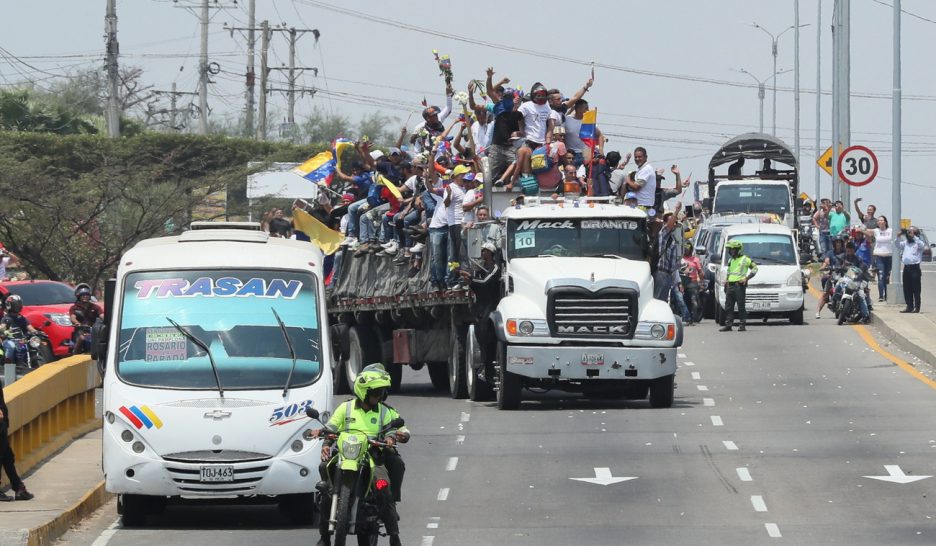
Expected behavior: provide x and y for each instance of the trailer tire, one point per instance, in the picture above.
(362, 351)
(438, 374)
(457, 364)
(479, 387)
(396, 376)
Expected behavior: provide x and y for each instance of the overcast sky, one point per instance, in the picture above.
(667, 84)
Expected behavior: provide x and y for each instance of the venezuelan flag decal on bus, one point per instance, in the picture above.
(141, 416)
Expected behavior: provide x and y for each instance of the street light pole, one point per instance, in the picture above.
(774, 40)
(895, 292)
(761, 90)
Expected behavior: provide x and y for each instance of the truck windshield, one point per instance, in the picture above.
(752, 198)
(230, 311)
(768, 249)
(578, 237)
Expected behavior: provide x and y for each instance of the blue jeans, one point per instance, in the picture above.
(366, 227)
(354, 214)
(388, 231)
(455, 253)
(825, 244)
(681, 301)
(862, 304)
(438, 251)
(9, 350)
(883, 264)
(409, 220)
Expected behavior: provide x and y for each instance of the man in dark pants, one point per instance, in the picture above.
(740, 270)
(911, 254)
(8, 459)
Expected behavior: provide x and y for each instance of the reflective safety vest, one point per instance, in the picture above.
(740, 267)
(350, 415)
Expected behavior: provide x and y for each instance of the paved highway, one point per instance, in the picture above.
(772, 439)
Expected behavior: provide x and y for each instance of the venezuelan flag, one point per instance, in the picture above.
(587, 131)
(339, 148)
(319, 168)
(328, 240)
(381, 179)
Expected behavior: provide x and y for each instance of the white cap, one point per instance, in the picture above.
(376, 154)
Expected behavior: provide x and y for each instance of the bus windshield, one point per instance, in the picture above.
(752, 198)
(578, 237)
(229, 311)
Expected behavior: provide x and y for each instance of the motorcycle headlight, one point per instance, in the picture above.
(35, 342)
(61, 319)
(351, 447)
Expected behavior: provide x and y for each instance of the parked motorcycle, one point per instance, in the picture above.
(32, 349)
(853, 286)
(353, 484)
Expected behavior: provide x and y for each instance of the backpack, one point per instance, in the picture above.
(540, 161)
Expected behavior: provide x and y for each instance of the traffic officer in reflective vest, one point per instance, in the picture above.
(740, 270)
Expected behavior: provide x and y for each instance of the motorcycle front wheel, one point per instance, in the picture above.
(345, 501)
(844, 312)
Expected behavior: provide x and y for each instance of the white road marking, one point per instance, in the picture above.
(460, 439)
(443, 494)
(758, 502)
(681, 355)
(702, 387)
(696, 375)
(465, 417)
(744, 474)
(708, 402)
(772, 530)
(687, 363)
(433, 523)
(451, 464)
(730, 446)
(427, 541)
(717, 421)
(106, 534)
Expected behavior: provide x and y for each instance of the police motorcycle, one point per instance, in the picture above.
(851, 286)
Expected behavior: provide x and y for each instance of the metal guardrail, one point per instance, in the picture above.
(50, 407)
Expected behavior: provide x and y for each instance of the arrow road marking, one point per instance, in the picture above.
(603, 477)
(896, 475)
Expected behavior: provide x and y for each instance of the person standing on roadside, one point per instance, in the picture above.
(740, 270)
(821, 223)
(8, 459)
(911, 254)
(838, 219)
(867, 218)
(883, 254)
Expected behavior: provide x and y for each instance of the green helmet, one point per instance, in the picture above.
(734, 243)
(372, 377)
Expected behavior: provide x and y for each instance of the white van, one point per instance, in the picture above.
(216, 344)
(778, 288)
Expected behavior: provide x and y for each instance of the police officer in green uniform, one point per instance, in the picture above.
(368, 413)
(740, 270)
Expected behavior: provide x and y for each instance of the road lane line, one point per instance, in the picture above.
(427, 541)
(465, 417)
(708, 402)
(687, 363)
(696, 375)
(730, 446)
(717, 421)
(702, 387)
(451, 464)
(433, 523)
(460, 439)
(758, 502)
(772, 530)
(443, 494)
(744, 474)
(106, 535)
(681, 355)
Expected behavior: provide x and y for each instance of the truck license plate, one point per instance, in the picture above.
(592, 360)
(217, 473)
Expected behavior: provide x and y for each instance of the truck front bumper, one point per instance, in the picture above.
(626, 363)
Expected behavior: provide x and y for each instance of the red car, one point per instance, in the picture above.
(46, 301)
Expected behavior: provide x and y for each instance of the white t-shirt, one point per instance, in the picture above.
(572, 141)
(883, 242)
(480, 135)
(412, 183)
(438, 216)
(469, 215)
(454, 213)
(534, 120)
(647, 193)
(618, 176)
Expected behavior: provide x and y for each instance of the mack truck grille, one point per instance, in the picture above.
(609, 313)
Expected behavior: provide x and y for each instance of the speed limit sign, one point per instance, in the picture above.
(857, 166)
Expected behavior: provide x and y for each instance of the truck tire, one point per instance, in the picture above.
(339, 379)
(479, 388)
(661, 391)
(396, 376)
(456, 362)
(438, 374)
(509, 385)
(362, 351)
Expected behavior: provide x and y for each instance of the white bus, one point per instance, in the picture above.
(216, 343)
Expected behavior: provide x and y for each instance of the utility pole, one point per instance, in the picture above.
(264, 73)
(895, 292)
(173, 104)
(836, 84)
(818, 95)
(845, 89)
(796, 88)
(292, 69)
(113, 50)
(251, 42)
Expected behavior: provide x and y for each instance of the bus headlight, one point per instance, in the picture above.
(296, 446)
(126, 436)
(138, 447)
(307, 435)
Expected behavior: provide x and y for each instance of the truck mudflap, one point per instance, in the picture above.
(551, 362)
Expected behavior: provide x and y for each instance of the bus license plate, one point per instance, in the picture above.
(592, 360)
(217, 473)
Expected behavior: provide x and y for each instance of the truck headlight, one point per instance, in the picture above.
(657, 331)
(527, 327)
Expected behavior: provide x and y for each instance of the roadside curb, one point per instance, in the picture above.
(48, 532)
(898, 339)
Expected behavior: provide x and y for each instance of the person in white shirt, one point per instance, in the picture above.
(538, 123)
(883, 254)
(911, 248)
(454, 201)
(645, 182)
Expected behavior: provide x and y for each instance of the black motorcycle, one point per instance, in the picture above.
(32, 349)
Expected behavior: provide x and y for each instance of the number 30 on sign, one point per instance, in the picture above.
(857, 166)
